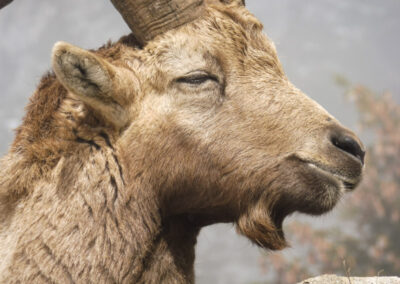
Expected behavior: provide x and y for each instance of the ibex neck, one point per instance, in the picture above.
(172, 260)
(170, 254)
(83, 222)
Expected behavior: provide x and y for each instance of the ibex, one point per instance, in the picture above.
(126, 152)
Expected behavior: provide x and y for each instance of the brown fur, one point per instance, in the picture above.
(121, 159)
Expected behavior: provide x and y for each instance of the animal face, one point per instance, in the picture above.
(208, 114)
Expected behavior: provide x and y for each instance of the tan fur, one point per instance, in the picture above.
(120, 160)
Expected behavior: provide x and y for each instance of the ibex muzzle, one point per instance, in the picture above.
(146, 143)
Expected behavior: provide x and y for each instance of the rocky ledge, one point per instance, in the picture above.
(333, 279)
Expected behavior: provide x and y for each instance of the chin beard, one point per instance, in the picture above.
(262, 227)
(294, 189)
(262, 222)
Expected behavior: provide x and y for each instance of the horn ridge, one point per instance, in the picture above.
(147, 19)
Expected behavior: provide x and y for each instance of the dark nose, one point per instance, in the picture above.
(349, 145)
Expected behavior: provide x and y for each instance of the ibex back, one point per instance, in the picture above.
(126, 152)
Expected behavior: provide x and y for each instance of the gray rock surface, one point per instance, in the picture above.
(333, 279)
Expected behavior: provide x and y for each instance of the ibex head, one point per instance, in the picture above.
(205, 114)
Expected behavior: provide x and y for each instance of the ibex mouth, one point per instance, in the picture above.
(346, 184)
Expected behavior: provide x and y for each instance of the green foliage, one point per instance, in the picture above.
(374, 246)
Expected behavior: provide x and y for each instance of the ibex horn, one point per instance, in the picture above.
(4, 3)
(148, 19)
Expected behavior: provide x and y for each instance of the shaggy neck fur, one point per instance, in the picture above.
(67, 213)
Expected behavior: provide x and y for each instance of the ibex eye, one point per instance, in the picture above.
(197, 79)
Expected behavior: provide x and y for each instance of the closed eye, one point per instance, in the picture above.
(197, 79)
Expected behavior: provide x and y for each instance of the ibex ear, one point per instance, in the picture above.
(90, 78)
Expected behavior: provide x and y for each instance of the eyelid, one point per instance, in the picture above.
(197, 78)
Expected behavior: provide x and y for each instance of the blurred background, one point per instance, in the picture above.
(344, 54)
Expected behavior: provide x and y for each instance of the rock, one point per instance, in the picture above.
(333, 279)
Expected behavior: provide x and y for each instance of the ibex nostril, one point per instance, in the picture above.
(349, 145)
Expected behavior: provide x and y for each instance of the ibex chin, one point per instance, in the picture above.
(126, 152)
